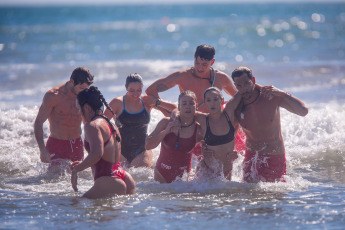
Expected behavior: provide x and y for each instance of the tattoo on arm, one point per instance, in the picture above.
(161, 87)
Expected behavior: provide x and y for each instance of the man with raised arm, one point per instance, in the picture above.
(259, 117)
(196, 79)
(59, 107)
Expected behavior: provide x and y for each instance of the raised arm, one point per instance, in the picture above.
(232, 104)
(44, 112)
(163, 84)
(228, 85)
(286, 100)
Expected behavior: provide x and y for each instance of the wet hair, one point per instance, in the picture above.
(134, 77)
(213, 89)
(184, 93)
(94, 98)
(81, 75)
(205, 52)
(242, 70)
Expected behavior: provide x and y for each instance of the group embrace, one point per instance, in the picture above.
(201, 123)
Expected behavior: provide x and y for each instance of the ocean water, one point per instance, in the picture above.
(297, 47)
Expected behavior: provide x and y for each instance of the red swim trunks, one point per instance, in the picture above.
(266, 168)
(66, 149)
(240, 141)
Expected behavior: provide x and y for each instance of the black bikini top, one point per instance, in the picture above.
(213, 140)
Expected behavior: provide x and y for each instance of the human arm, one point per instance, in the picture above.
(163, 127)
(44, 112)
(163, 84)
(232, 104)
(94, 136)
(228, 85)
(287, 101)
(207, 153)
(164, 106)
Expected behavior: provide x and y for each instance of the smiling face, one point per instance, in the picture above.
(245, 86)
(213, 100)
(134, 89)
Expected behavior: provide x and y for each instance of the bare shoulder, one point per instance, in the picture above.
(200, 117)
(222, 76)
(181, 74)
(54, 95)
(116, 101)
(92, 126)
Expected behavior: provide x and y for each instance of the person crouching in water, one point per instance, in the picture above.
(102, 142)
(177, 137)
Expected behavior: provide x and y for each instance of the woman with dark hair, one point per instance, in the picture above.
(102, 142)
(132, 116)
(177, 137)
(219, 129)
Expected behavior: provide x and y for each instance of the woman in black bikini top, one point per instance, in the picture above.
(219, 128)
(214, 140)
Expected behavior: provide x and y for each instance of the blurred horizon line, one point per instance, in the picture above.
(140, 2)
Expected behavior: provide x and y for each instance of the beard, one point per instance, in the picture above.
(247, 95)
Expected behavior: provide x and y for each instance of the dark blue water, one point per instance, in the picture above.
(122, 32)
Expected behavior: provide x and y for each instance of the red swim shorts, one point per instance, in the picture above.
(266, 168)
(66, 149)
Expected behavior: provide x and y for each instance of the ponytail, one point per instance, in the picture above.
(93, 97)
(118, 139)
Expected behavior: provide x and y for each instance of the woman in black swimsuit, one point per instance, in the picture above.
(132, 116)
(219, 128)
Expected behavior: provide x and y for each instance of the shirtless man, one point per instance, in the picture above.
(59, 107)
(259, 116)
(196, 79)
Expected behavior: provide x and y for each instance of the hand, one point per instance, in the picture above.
(232, 156)
(75, 163)
(74, 179)
(46, 156)
(175, 124)
(207, 153)
(270, 91)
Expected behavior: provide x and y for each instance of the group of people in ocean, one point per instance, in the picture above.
(201, 124)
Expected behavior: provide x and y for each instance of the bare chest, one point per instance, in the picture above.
(197, 85)
(66, 108)
(259, 116)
